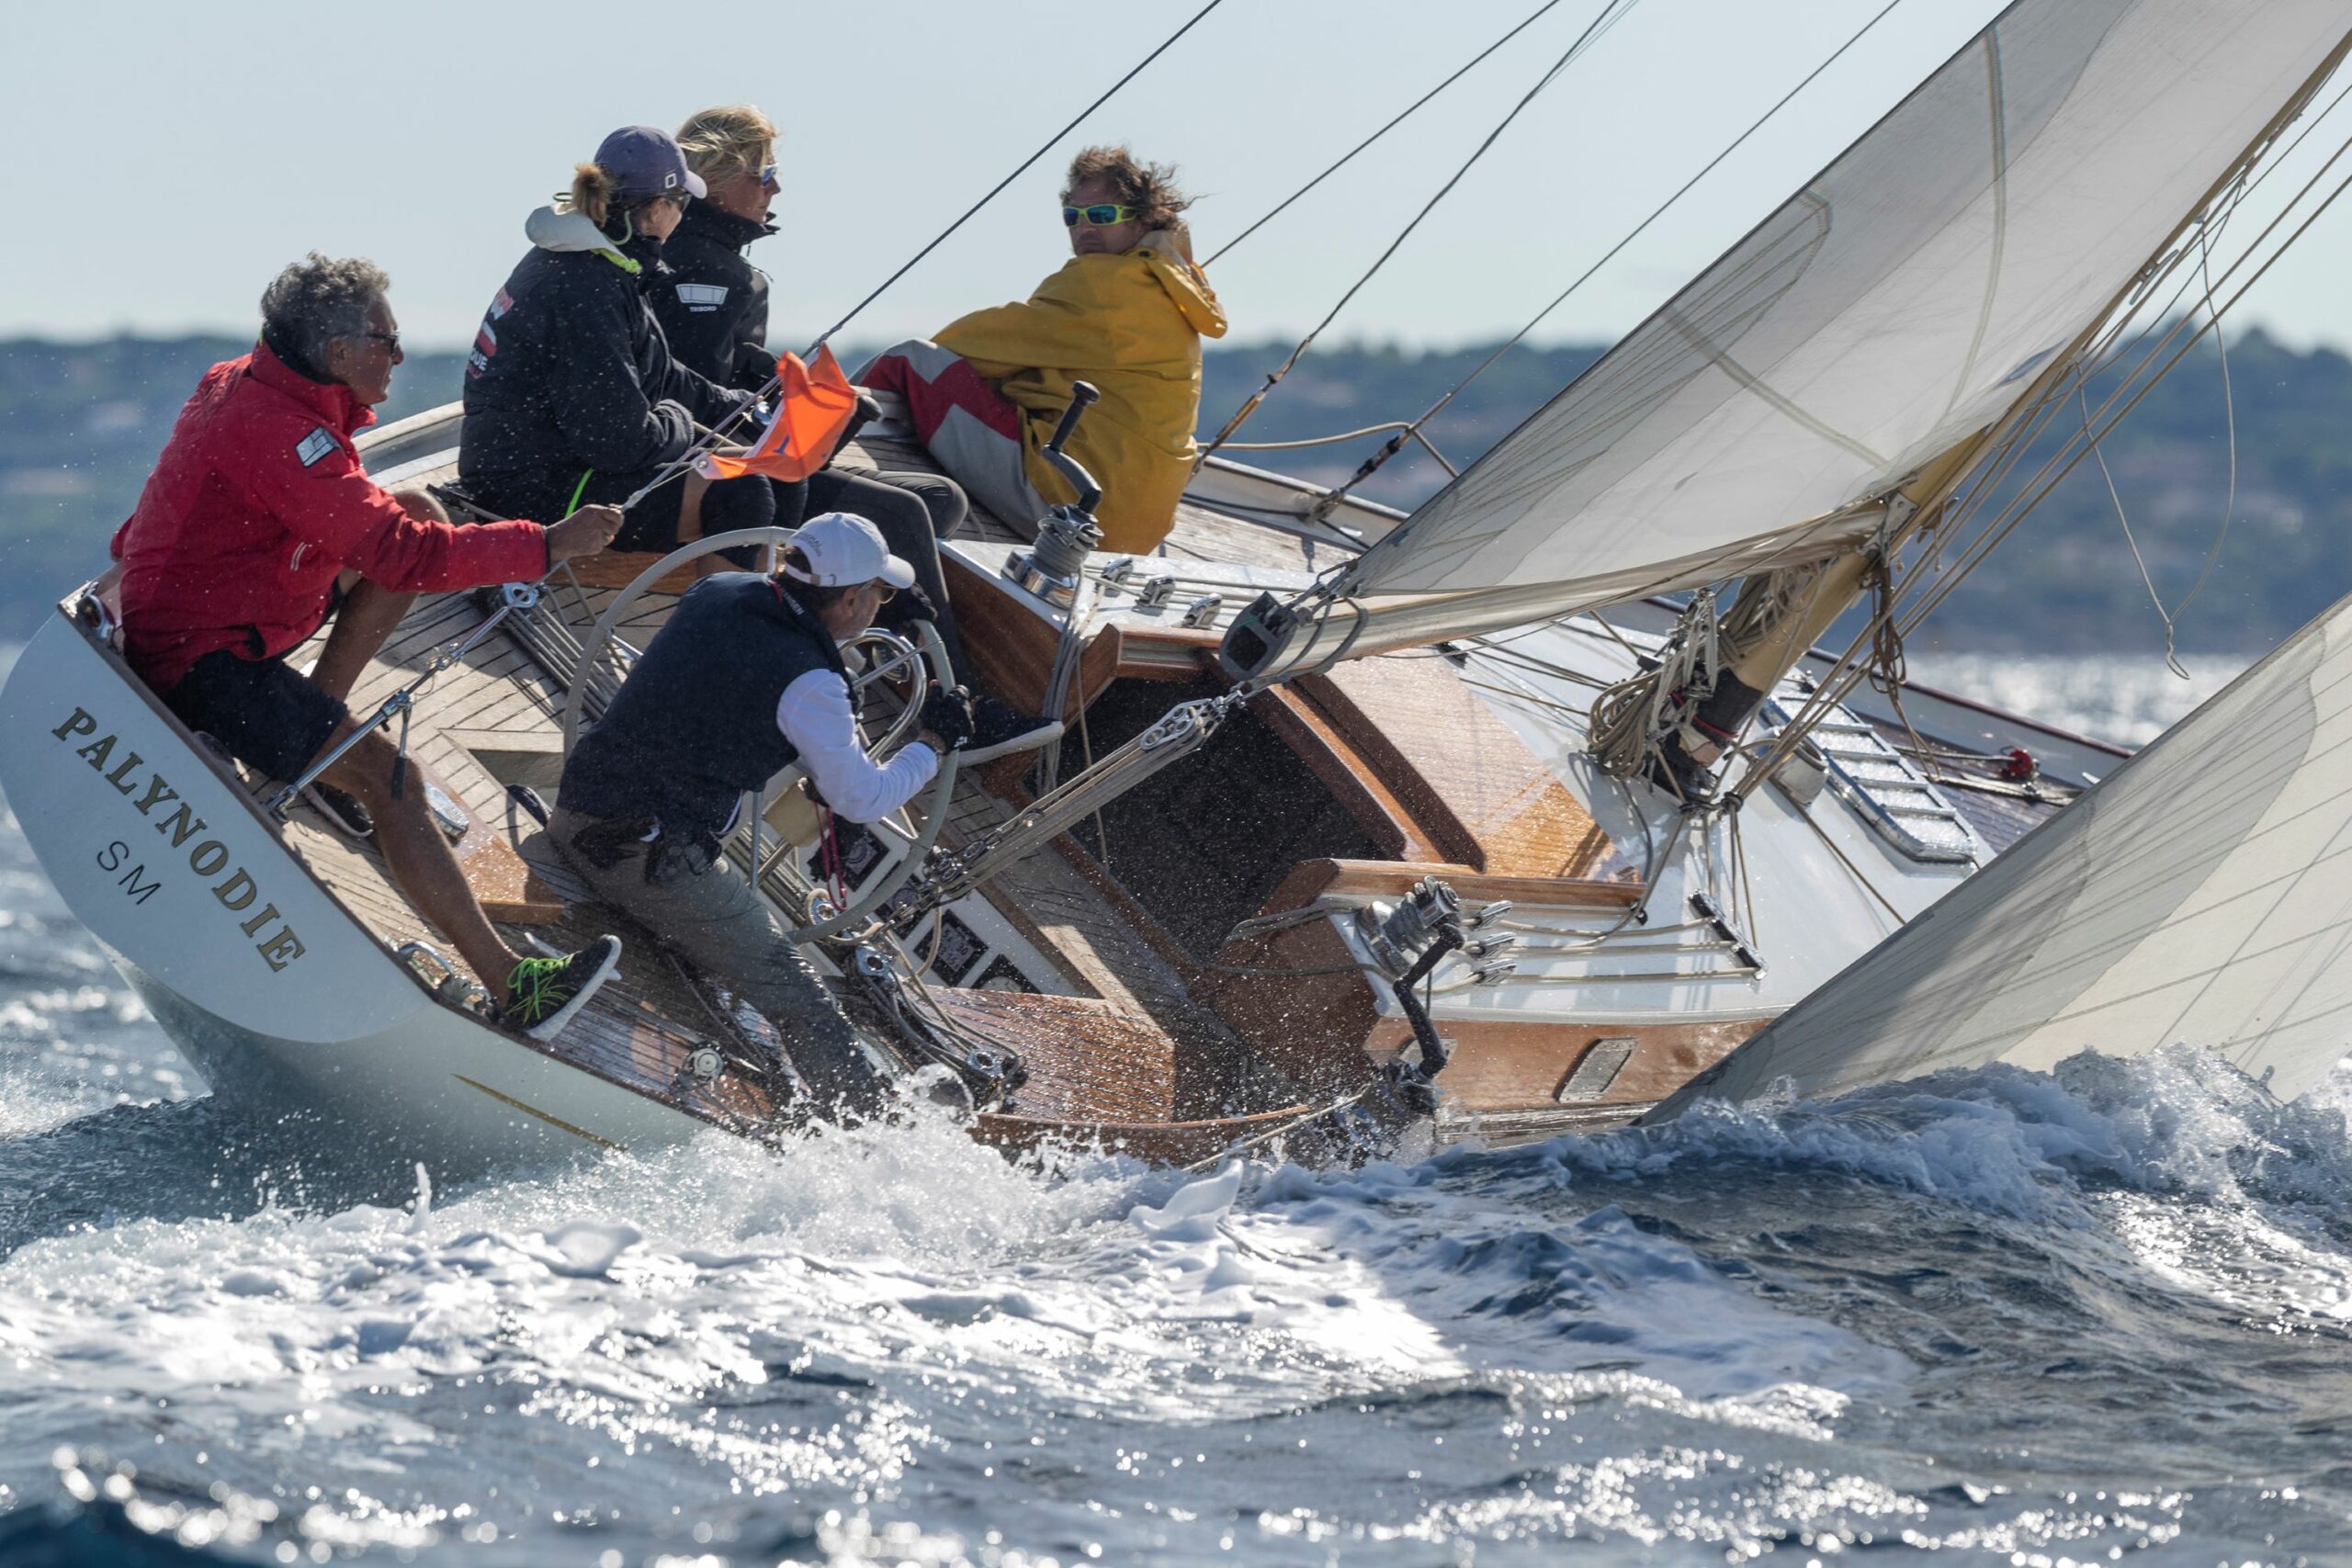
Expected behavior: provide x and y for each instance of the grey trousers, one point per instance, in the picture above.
(704, 910)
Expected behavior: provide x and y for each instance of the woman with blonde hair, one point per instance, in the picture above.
(715, 308)
(1126, 313)
(572, 395)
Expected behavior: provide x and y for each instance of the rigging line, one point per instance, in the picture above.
(2045, 481)
(1532, 17)
(1586, 277)
(2123, 520)
(997, 189)
(1845, 673)
(1843, 678)
(1609, 16)
(2230, 437)
(2103, 355)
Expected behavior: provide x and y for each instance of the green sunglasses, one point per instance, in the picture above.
(1102, 216)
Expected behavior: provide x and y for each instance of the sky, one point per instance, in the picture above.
(197, 149)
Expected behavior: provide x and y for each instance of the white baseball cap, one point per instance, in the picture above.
(843, 550)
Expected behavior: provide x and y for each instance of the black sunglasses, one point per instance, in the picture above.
(391, 341)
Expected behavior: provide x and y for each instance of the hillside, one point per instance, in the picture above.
(79, 423)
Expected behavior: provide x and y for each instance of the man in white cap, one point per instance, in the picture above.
(743, 680)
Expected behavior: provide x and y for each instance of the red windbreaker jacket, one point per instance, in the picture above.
(258, 502)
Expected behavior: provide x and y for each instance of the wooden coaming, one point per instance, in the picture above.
(1500, 1066)
(1312, 1010)
(1476, 792)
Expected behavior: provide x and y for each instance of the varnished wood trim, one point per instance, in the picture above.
(1501, 1065)
(1312, 879)
(1169, 1143)
(1338, 767)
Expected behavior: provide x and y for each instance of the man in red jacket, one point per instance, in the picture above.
(257, 515)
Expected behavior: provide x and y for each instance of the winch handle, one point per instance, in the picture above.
(1082, 394)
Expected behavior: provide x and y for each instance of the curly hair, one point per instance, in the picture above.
(320, 299)
(1149, 189)
(720, 143)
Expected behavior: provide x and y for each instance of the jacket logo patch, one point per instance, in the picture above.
(701, 298)
(315, 446)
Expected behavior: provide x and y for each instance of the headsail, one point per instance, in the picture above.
(1906, 297)
(2201, 893)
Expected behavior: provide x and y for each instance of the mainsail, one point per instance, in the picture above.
(2201, 893)
(1906, 299)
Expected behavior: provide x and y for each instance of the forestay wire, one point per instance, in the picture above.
(997, 189)
(1404, 114)
(1611, 12)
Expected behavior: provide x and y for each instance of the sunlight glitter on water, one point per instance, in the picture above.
(2087, 1316)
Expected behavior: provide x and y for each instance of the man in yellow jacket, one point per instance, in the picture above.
(1127, 313)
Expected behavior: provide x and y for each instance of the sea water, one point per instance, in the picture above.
(2092, 1316)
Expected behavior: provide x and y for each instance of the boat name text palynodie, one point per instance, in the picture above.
(208, 859)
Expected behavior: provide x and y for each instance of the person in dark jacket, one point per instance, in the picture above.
(714, 306)
(572, 395)
(654, 784)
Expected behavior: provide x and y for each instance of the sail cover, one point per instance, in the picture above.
(2201, 892)
(1902, 300)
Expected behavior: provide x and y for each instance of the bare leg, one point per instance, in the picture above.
(690, 524)
(420, 857)
(368, 614)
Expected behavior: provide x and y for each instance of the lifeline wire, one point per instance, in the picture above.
(1408, 113)
(997, 189)
(1608, 15)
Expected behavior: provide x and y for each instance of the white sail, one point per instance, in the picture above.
(2201, 892)
(1904, 299)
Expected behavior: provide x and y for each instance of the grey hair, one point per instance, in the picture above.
(320, 299)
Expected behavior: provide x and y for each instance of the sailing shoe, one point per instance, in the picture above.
(340, 809)
(998, 729)
(546, 992)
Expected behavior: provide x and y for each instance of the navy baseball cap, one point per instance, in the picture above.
(647, 162)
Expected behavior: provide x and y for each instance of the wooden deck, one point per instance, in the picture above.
(1105, 1054)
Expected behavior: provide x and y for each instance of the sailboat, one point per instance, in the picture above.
(1504, 818)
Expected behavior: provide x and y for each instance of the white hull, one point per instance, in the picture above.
(340, 1027)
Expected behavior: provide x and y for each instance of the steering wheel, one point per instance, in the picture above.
(923, 672)
(898, 657)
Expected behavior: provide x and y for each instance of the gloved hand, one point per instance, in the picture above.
(947, 713)
(917, 606)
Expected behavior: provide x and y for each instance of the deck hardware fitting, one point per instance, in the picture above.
(1597, 1069)
(1705, 907)
(1203, 611)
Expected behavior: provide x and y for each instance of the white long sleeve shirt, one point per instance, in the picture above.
(814, 715)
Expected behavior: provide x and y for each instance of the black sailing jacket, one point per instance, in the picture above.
(570, 372)
(714, 306)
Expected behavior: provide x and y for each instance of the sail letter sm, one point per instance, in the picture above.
(1913, 294)
(812, 409)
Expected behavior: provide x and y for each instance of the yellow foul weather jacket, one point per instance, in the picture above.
(1132, 325)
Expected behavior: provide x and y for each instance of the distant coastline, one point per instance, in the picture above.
(81, 422)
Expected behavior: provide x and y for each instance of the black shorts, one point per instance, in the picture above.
(269, 716)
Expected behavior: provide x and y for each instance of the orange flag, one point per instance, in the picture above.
(812, 409)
